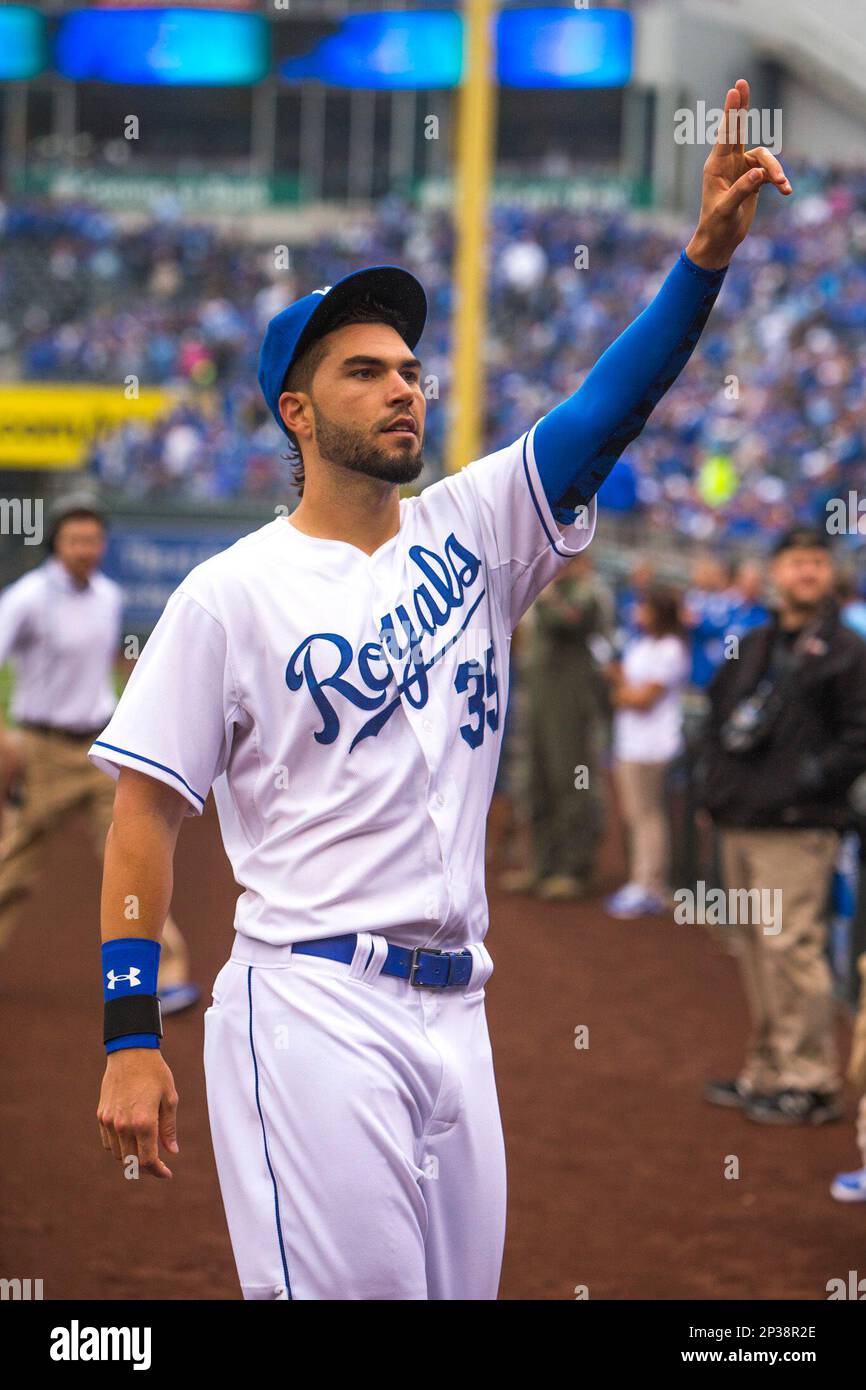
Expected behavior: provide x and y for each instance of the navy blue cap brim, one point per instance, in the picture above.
(395, 289)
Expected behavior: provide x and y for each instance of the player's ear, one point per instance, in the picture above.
(296, 410)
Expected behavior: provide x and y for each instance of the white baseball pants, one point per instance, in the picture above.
(356, 1128)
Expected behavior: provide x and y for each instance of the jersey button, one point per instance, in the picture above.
(439, 800)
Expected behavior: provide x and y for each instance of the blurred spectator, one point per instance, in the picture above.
(563, 697)
(851, 605)
(60, 628)
(709, 614)
(647, 737)
(786, 738)
(631, 595)
(748, 592)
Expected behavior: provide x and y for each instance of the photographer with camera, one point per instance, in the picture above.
(785, 739)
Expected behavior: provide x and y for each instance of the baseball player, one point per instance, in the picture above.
(339, 677)
(60, 626)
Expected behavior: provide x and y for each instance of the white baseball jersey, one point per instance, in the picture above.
(62, 639)
(348, 709)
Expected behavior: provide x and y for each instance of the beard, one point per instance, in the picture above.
(352, 449)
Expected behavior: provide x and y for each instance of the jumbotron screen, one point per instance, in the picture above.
(169, 46)
(23, 45)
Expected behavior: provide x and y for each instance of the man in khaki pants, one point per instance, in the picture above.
(60, 625)
(786, 738)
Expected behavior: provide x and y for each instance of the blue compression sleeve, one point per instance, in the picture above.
(579, 441)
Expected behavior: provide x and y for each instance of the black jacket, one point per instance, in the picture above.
(817, 743)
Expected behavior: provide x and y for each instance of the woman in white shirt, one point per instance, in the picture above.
(647, 736)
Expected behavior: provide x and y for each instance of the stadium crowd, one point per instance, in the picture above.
(768, 430)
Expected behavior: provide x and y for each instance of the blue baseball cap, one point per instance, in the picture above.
(294, 329)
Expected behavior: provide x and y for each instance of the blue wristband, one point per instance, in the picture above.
(130, 968)
(132, 1040)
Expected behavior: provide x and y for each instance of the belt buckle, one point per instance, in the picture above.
(416, 966)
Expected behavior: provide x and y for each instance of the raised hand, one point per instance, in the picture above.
(733, 177)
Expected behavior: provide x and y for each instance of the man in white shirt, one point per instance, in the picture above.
(60, 627)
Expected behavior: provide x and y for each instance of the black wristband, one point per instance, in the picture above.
(132, 1013)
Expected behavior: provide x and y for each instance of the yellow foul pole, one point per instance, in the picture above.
(475, 134)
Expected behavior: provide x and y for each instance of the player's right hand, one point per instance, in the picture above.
(138, 1108)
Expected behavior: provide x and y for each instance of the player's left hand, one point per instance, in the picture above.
(733, 177)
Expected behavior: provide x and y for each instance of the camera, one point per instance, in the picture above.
(749, 723)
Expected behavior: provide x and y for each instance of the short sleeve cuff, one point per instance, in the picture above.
(111, 759)
(563, 537)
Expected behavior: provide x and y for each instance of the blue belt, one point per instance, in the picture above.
(424, 967)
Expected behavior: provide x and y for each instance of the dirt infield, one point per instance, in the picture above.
(616, 1168)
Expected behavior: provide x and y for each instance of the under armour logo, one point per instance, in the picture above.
(134, 977)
